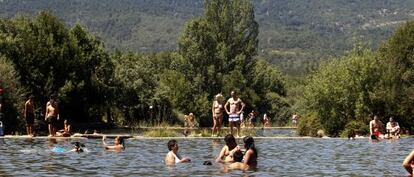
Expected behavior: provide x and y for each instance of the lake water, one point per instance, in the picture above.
(144, 157)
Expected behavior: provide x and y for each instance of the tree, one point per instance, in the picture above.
(54, 60)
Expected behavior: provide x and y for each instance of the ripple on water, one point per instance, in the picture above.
(280, 157)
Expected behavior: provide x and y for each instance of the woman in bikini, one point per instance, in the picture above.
(250, 156)
(172, 156)
(217, 110)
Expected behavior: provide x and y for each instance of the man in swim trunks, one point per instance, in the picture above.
(236, 107)
(52, 115)
(29, 115)
(375, 128)
(226, 153)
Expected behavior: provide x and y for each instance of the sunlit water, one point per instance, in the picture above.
(277, 157)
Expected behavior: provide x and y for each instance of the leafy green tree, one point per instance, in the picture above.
(344, 90)
(397, 58)
(54, 60)
(13, 97)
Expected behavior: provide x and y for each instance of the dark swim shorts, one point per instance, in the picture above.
(30, 118)
(52, 120)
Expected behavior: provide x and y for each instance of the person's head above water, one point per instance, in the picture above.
(249, 144)
(119, 141)
(79, 146)
(172, 144)
(238, 156)
(230, 141)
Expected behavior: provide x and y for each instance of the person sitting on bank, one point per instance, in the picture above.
(393, 129)
(408, 163)
(226, 153)
(119, 144)
(65, 132)
(375, 128)
(172, 156)
(189, 123)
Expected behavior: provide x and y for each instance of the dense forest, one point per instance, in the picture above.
(293, 34)
(130, 62)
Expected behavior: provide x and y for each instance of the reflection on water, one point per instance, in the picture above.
(294, 157)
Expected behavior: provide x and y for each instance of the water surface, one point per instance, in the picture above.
(277, 157)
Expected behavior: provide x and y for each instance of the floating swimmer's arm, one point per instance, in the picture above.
(407, 162)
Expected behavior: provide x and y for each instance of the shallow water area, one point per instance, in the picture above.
(144, 157)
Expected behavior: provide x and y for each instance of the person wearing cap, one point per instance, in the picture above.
(236, 107)
(29, 115)
(217, 110)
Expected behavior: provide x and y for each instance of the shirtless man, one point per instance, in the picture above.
(29, 115)
(52, 115)
(375, 128)
(226, 153)
(236, 107)
(217, 110)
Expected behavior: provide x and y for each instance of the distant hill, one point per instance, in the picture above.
(292, 32)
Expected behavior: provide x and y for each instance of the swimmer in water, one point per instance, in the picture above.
(172, 156)
(119, 144)
(78, 147)
(227, 151)
(238, 164)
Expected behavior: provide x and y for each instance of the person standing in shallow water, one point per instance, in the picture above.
(52, 115)
(226, 153)
(236, 107)
(217, 110)
(29, 115)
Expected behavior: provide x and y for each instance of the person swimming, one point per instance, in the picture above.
(78, 147)
(119, 144)
(250, 157)
(226, 152)
(238, 164)
(172, 156)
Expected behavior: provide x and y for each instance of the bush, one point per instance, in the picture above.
(13, 97)
(355, 128)
(309, 125)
